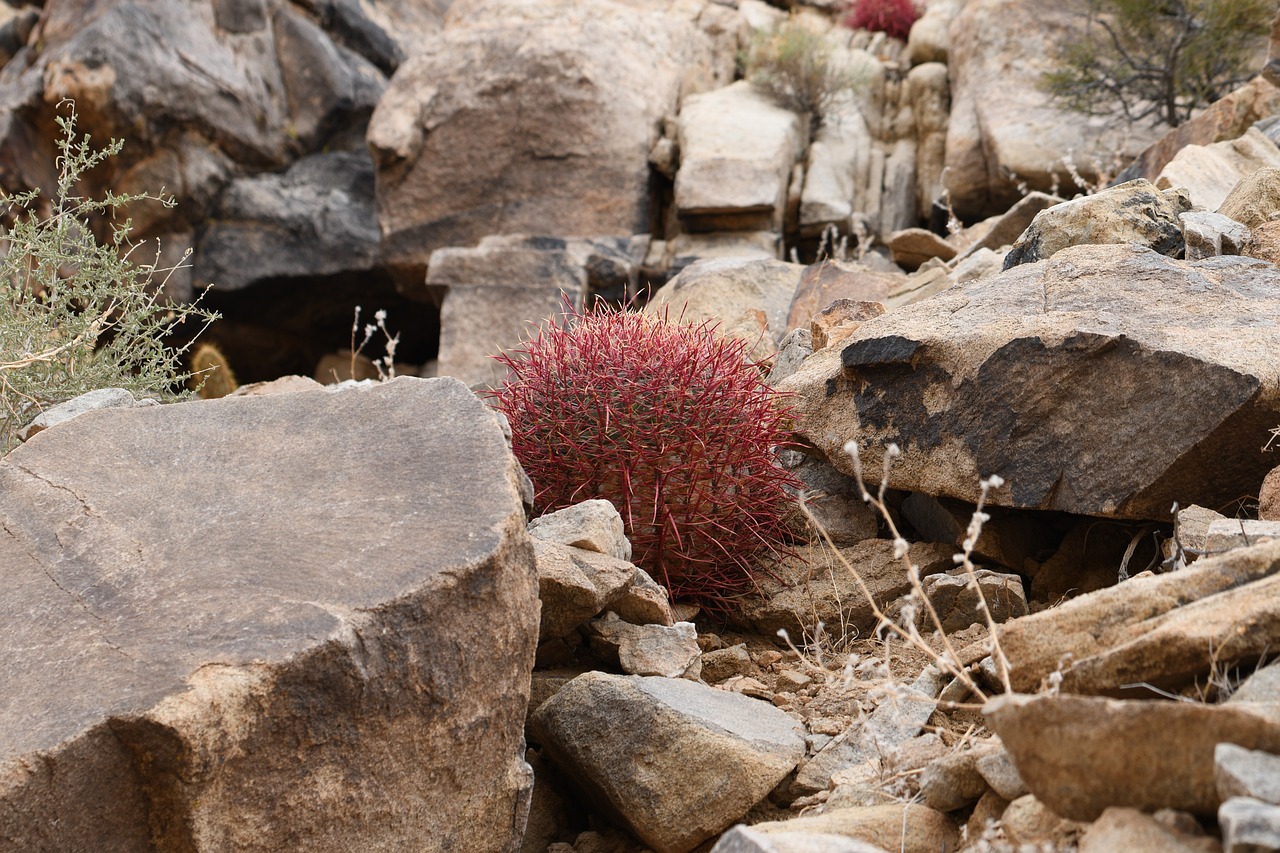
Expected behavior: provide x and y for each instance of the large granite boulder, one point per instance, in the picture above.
(1004, 129)
(295, 622)
(534, 116)
(200, 91)
(1108, 380)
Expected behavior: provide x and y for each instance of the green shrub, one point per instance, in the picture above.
(76, 315)
(1159, 59)
(798, 68)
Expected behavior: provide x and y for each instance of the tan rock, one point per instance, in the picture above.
(1027, 821)
(1264, 243)
(532, 116)
(1269, 497)
(1208, 235)
(930, 92)
(593, 525)
(291, 625)
(953, 782)
(722, 291)
(908, 828)
(575, 584)
(283, 385)
(694, 760)
(1004, 229)
(1230, 117)
(670, 651)
(1254, 199)
(1155, 630)
(913, 246)
(744, 839)
(841, 319)
(1107, 752)
(1138, 832)
(823, 283)
(1209, 172)
(737, 150)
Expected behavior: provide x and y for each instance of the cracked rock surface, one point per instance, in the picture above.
(245, 624)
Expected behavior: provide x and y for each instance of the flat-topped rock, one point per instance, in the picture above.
(320, 595)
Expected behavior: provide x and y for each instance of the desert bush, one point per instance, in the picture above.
(77, 315)
(670, 423)
(891, 17)
(799, 69)
(1159, 59)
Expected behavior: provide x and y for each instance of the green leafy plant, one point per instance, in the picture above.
(77, 315)
(671, 424)
(799, 68)
(1159, 59)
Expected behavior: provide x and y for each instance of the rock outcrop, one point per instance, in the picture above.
(296, 654)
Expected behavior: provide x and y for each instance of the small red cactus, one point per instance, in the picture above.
(672, 424)
(891, 17)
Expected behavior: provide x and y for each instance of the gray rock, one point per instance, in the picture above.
(1261, 686)
(1066, 378)
(102, 398)
(1227, 533)
(294, 619)
(315, 219)
(670, 651)
(1210, 172)
(1210, 234)
(723, 664)
(1241, 772)
(594, 525)
(956, 601)
(1131, 213)
(744, 839)
(650, 779)
(835, 503)
(793, 349)
(896, 720)
(998, 771)
(1249, 826)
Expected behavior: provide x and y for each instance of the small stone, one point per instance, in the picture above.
(643, 601)
(743, 839)
(1208, 235)
(789, 681)
(905, 827)
(1240, 772)
(1029, 821)
(839, 320)
(911, 247)
(1249, 826)
(593, 525)
(956, 601)
(723, 664)
(102, 398)
(953, 782)
(1239, 533)
(998, 771)
(575, 584)
(668, 651)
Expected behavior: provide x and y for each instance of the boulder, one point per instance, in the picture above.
(1264, 243)
(1132, 213)
(1004, 130)
(837, 168)
(1230, 117)
(1207, 235)
(271, 83)
(1209, 172)
(1255, 199)
(316, 219)
(291, 625)
(737, 151)
(532, 116)
(693, 761)
(685, 249)
(1139, 754)
(930, 39)
(930, 92)
(1155, 630)
(1071, 379)
(723, 291)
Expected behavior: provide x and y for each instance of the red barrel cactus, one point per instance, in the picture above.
(671, 423)
(891, 17)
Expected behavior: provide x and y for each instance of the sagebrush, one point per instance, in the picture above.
(670, 423)
(77, 314)
(800, 69)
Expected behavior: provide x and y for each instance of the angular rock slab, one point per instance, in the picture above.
(674, 760)
(1081, 754)
(294, 622)
(1165, 631)
(1108, 380)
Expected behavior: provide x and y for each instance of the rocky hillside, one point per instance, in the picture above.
(1031, 597)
